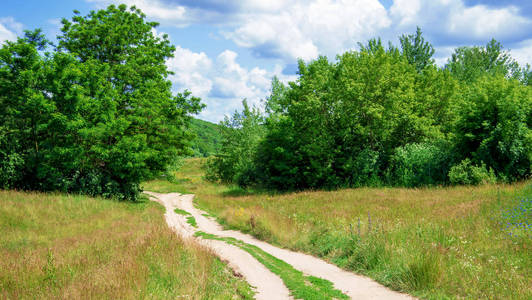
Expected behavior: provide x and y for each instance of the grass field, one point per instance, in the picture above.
(59, 246)
(435, 243)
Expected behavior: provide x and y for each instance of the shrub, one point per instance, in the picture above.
(467, 173)
(494, 126)
(9, 169)
(420, 164)
(363, 170)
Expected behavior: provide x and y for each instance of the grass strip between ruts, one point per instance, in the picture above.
(190, 219)
(301, 286)
(181, 212)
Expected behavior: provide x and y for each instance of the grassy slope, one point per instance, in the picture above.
(208, 138)
(58, 246)
(433, 243)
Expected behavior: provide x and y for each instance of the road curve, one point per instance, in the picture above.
(267, 284)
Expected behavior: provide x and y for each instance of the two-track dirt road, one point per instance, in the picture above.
(267, 284)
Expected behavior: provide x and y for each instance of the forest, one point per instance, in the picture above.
(386, 116)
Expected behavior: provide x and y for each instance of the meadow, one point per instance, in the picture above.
(69, 246)
(435, 243)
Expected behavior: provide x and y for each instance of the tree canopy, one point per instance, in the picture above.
(95, 114)
(390, 116)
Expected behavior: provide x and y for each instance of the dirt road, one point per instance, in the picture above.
(267, 284)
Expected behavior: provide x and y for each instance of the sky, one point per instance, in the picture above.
(230, 50)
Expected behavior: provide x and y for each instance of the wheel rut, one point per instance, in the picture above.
(267, 268)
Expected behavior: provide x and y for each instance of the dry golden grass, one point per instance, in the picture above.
(58, 246)
(442, 242)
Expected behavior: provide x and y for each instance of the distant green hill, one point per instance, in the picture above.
(208, 138)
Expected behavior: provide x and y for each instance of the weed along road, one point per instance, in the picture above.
(274, 272)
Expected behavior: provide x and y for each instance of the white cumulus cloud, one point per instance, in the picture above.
(523, 52)
(481, 22)
(9, 29)
(222, 83)
(292, 29)
(305, 30)
(285, 30)
(406, 11)
(172, 13)
(191, 71)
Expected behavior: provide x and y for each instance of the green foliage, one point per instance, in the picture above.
(240, 136)
(339, 124)
(526, 75)
(96, 115)
(420, 164)
(417, 51)
(208, 138)
(494, 126)
(467, 173)
(386, 116)
(469, 63)
(9, 169)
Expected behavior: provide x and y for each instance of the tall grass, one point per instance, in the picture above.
(442, 242)
(59, 246)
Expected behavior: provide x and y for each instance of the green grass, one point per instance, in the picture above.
(208, 138)
(164, 185)
(441, 242)
(69, 246)
(192, 221)
(181, 212)
(300, 286)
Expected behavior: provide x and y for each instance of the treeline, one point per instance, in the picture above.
(94, 113)
(386, 116)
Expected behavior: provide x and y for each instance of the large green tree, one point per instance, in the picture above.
(96, 115)
(135, 59)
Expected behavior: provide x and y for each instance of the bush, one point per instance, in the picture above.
(365, 168)
(420, 164)
(10, 166)
(494, 126)
(246, 177)
(467, 173)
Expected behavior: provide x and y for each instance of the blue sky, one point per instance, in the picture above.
(230, 50)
